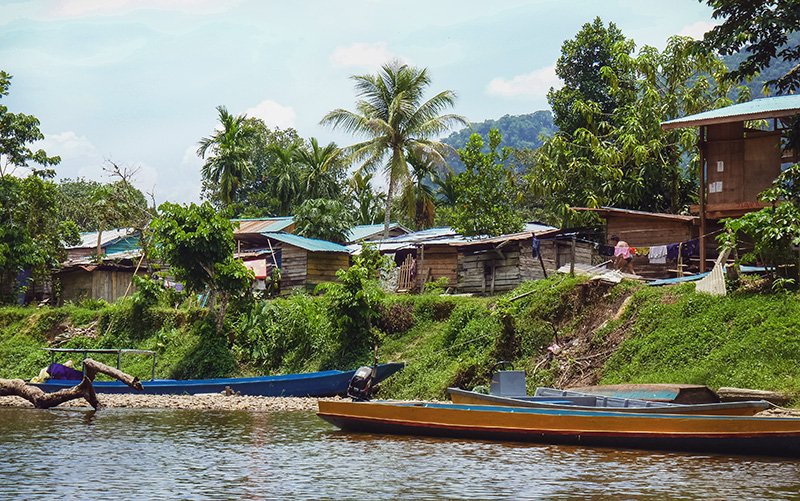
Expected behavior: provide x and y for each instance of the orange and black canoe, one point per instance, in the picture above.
(774, 436)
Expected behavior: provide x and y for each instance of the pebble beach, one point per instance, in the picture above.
(210, 401)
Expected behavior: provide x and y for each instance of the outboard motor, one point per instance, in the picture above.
(361, 383)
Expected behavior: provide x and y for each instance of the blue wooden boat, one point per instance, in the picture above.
(313, 384)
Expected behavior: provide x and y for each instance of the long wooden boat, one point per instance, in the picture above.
(699, 433)
(313, 384)
(584, 401)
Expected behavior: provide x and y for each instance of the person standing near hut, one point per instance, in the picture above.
(623, 255)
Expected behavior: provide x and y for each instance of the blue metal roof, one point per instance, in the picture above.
(363, 231)
(768, 107)
(309, 244)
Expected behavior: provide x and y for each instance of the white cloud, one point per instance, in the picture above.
(533, 84)
(697, 30)
(273, 114)
(362, 55)
(69, 145)
(93, 8)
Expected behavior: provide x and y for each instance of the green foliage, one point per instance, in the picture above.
(354, 302)
(324, 219)
(231, 150)
(762, 28)
(519, 132)
(438, 286)
(485, 191)
(741, 340)
(197, 244)
(397, 121)
(96, 206)
(583, 66)
(367, 203)
(774, 231)
(622, 157)
(395, 317)
(17, 132)
(286, 335)
(31, 235)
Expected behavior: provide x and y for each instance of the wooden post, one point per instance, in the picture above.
(421, 265)
(572, 257)
(701, 144)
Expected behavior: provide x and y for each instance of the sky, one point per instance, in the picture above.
(137, 82)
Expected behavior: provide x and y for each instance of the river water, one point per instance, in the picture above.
(180, 454)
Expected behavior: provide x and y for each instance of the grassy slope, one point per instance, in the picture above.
(628, 333)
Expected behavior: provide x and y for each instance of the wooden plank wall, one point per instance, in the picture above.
(762, 160)
(111, 284)
(516, 264)
(322, 266)
(487, 270)
(294, 266)
(649, 231)
(436, 261)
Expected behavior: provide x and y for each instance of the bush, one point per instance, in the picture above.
(396, 317)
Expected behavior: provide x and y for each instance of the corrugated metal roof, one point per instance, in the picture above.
(89, 238)
(309, 244)
(260, 225)
(768, 107)
(363, 231)
(604, 211)
(448, 236)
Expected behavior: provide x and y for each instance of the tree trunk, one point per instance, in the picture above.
(388, 216)
(85, 389)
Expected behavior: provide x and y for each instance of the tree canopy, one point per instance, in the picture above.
(17, 132)
(392, 113)
(486, 196)
(196, 241)
(762, 29)
(581, 68)
(624, 158)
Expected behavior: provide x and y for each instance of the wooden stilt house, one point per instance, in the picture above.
(739, 157)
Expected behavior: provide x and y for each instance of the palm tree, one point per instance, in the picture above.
(232, 153)
(391, 113)
(367, 201)
(285, 177)
(322, 168)
(446, 190)
(418, 197)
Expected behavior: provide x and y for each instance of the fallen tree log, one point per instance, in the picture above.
(85, 389)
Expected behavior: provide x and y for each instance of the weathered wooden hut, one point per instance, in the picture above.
(109, 279)
(738, 160)
(480, 264)
(498, 264)
(644, 230)
(306, 262)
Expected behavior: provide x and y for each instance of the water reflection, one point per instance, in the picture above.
(159, 454)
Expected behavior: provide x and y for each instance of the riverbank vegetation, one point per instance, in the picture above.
(562, 331)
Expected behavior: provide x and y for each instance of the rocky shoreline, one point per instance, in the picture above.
(210, 401)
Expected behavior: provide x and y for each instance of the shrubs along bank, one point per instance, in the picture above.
(562, 331)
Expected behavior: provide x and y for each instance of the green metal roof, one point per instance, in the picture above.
(757, 109)
(309, 244)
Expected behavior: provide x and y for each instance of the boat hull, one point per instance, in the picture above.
(723, 434)
(314, 384)
(465, 397)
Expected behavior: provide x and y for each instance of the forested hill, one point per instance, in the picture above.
(518, 131)
(776, 68)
